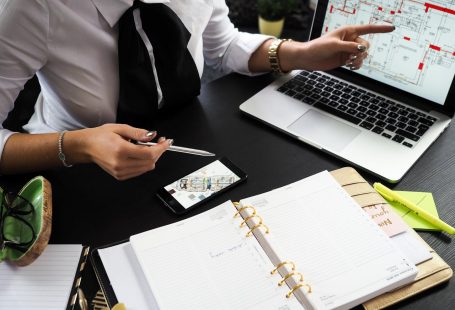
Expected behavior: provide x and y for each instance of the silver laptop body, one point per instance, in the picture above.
(388, 154)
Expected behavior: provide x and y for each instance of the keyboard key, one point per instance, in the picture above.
(338, 113)
(411, 129)
(366, 125)
(407, 144)
(377, 130)
(361, 109)
(361, 115)
(371, 119)
(408, 135)
(386, 135)
(381, 123)
(371, 113)
(403, 119)
(316, 96)
(390, 121)
(400, 125)
(325, 100)
(342, 107)
(392, 115)
(398, 138)
(381, 117)
(355, 99)
(291, 93)
(356, 93)
(310, 100)
(391, 128)
(333, 103)
(325, 94)
(425, 121)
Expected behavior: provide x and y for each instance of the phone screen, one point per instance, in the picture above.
(201, 184)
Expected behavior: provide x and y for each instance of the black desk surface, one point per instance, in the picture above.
(92, 208)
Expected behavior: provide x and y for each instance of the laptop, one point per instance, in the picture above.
(383, 116)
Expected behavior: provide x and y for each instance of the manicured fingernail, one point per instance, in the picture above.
(353, 57)
(348, 63)
(151, 133)
(170, 141)
(161, 139)
(361, 48)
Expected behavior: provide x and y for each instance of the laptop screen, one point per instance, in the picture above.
(418, 57)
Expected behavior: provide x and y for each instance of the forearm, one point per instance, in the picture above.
(33, 152)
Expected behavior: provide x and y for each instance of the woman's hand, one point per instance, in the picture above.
(109, 147)
(340, 47)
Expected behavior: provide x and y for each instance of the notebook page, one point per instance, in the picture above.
(207, 262)
(126, 277)
(45, 284)
(343, 254)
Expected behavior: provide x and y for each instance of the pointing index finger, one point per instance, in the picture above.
(366, 29)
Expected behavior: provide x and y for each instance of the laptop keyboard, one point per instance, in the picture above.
(370, 111)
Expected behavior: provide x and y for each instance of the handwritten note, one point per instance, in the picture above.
(386, 218)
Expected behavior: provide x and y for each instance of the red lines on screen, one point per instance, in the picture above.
(438, 8)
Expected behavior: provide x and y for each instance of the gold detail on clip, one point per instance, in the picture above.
(290, 275)
(249, 218)
(243, 208)
(288, 295)
(281, 265)
(257, 226)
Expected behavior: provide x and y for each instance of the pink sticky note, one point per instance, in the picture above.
(386, 218)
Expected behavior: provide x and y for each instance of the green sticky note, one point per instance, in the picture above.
(421, 199)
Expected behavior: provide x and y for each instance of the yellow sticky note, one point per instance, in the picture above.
(421, 199)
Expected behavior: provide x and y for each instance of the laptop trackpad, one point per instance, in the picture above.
(324, 131)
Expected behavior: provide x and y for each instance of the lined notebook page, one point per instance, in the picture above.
(45, 284)
(342, 253)
(206, 262)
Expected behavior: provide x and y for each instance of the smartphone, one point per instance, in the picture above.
(197, 187)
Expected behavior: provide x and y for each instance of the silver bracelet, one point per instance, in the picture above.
(61, 155)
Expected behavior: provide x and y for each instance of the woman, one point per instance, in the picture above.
(72, 47)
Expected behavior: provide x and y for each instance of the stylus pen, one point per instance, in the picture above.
(180, 149)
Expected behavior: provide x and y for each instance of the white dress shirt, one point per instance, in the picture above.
(71, 45)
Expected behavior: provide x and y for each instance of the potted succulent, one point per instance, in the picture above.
(272, 14)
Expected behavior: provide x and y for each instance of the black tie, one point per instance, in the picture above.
(165, 37)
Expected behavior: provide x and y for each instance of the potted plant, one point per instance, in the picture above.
(272, 14)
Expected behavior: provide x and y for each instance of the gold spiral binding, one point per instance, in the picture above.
(288, 295)
(249, 218)
(291, 274)
(236, 204)
(257, 226)
(287, 262)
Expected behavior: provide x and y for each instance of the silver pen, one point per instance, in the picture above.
(180, 149)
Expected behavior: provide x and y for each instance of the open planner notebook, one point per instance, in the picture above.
(303, 246)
